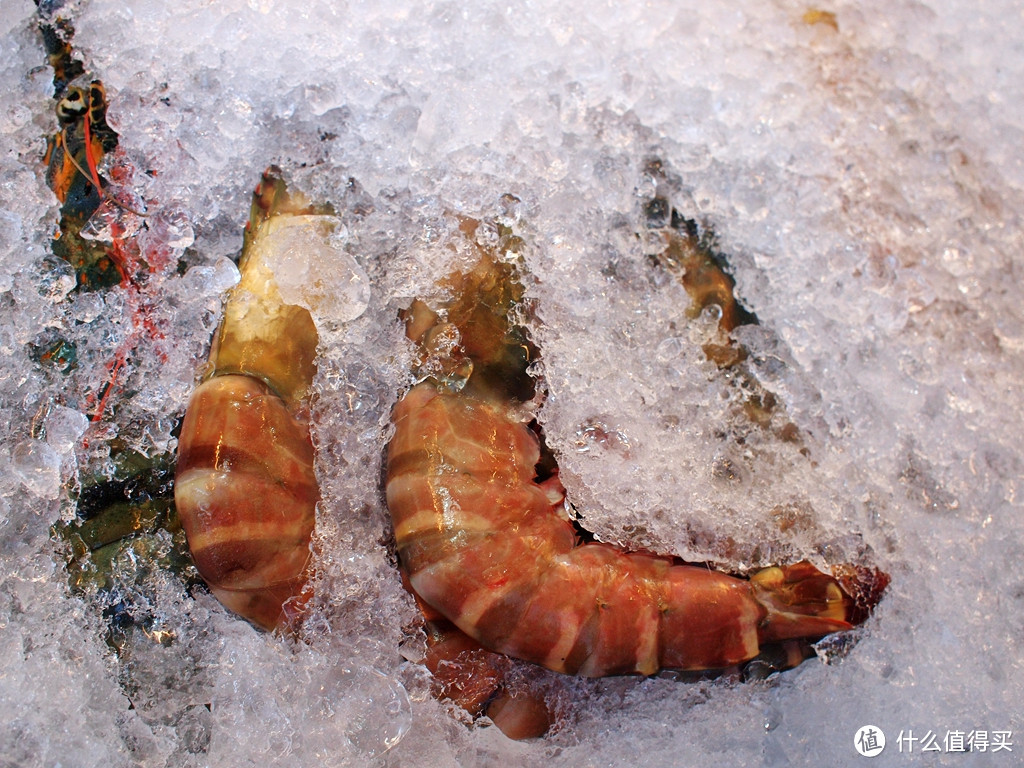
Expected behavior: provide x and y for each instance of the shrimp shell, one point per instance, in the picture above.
(246, 494)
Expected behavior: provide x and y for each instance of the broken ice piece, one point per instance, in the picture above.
(114, 220)
(312, 269)
(37, 465)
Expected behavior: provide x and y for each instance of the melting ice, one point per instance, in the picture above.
(860, 166)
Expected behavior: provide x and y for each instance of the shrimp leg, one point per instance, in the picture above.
(477, 680)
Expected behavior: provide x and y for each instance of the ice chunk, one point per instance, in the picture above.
(64, 428)
(312, 268)
(373, 707)
(114, 218)
(172, 227)
(211, 280)
(37, 465)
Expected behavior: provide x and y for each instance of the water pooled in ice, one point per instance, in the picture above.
(865, 181)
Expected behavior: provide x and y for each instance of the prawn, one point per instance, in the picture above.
(483, 539)
(245, 488)
(88, 204)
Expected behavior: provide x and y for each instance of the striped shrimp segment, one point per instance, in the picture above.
(247, 494)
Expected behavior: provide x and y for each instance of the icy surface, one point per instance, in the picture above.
(862, 172)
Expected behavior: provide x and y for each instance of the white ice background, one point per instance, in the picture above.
(865, 180)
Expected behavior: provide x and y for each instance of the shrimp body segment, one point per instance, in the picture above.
(245, 489)
(246, 494)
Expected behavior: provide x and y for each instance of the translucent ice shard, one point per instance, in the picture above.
(37, 465)
(313, 270)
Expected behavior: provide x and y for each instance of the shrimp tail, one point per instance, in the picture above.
(800, 602)
(803, 602)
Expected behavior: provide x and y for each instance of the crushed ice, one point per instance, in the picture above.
(865, 180)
